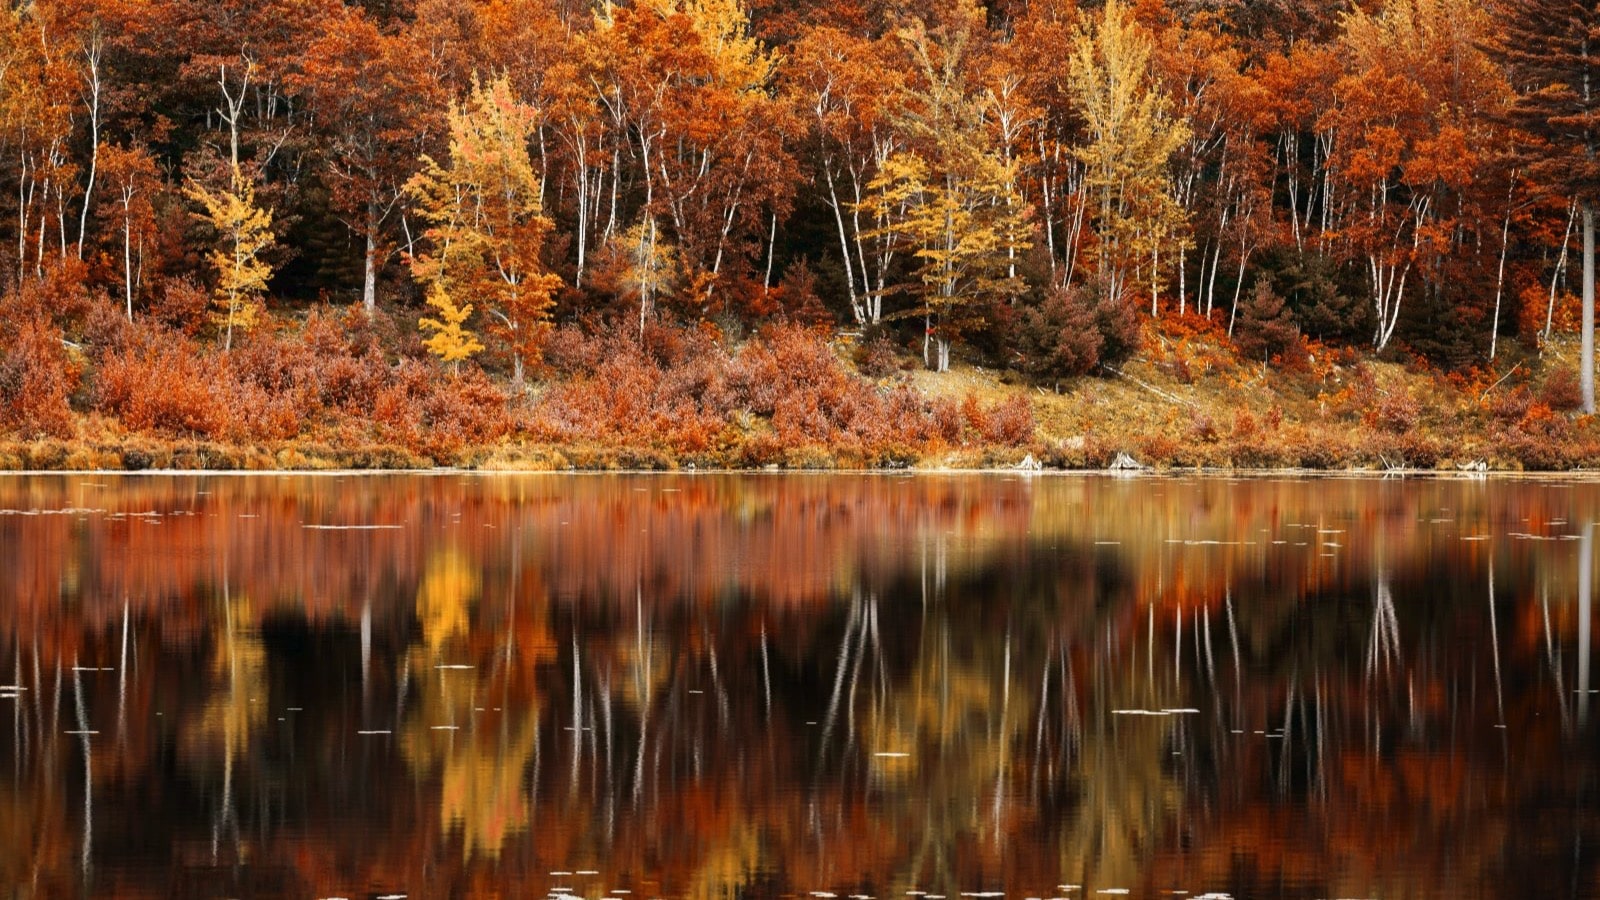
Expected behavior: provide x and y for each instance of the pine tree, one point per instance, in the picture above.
(1550, 48)
(1266, 327)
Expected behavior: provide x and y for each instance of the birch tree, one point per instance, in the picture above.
(486, 224)
(1131, 135)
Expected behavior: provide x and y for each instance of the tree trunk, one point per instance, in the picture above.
(1588, 307)
(369, 278)
(127, 261)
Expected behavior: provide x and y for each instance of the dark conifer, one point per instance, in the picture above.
(1551, 49)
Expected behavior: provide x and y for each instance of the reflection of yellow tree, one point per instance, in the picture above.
(238, 702)
(449, 586)
(1125, 800)
(482, 789)
(940, 748)
(730, 864)
(477, 724)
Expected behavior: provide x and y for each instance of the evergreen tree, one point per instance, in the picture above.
(1549, 48)
(1266, 327)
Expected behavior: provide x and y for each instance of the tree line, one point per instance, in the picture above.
(1016, 177)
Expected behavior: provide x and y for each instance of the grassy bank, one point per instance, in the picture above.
(322, 394)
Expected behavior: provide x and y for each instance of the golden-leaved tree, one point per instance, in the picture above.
(243, 230)
(1131, 135)
(951, 194)
(487, 229)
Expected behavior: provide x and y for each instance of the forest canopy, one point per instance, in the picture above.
(1020, 182)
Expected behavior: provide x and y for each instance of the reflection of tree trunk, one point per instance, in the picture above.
(1494, 644)
(577, 714)
(88, 772)
(1585, 612)
(122, 681)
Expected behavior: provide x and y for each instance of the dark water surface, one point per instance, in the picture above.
(711, 686)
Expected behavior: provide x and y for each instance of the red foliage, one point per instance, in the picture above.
(162, 383)
(36, 378)
(1562, 391)
(689, 395)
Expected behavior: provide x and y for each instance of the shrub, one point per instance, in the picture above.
(36, 379)
(181, 305)
(1397, 412)
(1511, 405)
(878, 357)
(1562, 391)
(1011, 422)
(462, 410)
(160, 382)
(572, 351)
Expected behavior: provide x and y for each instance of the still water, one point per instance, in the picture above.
(712, 686)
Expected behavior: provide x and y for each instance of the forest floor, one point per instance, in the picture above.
(1184, 401)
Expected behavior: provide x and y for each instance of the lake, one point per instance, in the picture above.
(809, 685)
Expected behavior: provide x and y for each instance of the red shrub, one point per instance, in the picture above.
(1562, 391)
(36, 379)
(160, 382)
(1011, 422)
(462, 411)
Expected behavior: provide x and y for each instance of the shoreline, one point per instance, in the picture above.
(1365, 474)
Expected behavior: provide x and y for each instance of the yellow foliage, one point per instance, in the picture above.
(449, 587)
(482, 791)
(1132, 137)
(243, 230)
(451, 340)
(487, 229)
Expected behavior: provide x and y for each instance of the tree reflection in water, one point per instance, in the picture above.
(713, 686)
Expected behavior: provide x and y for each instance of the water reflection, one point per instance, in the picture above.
(716, 686)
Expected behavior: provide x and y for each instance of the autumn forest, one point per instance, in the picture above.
(552, 233)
